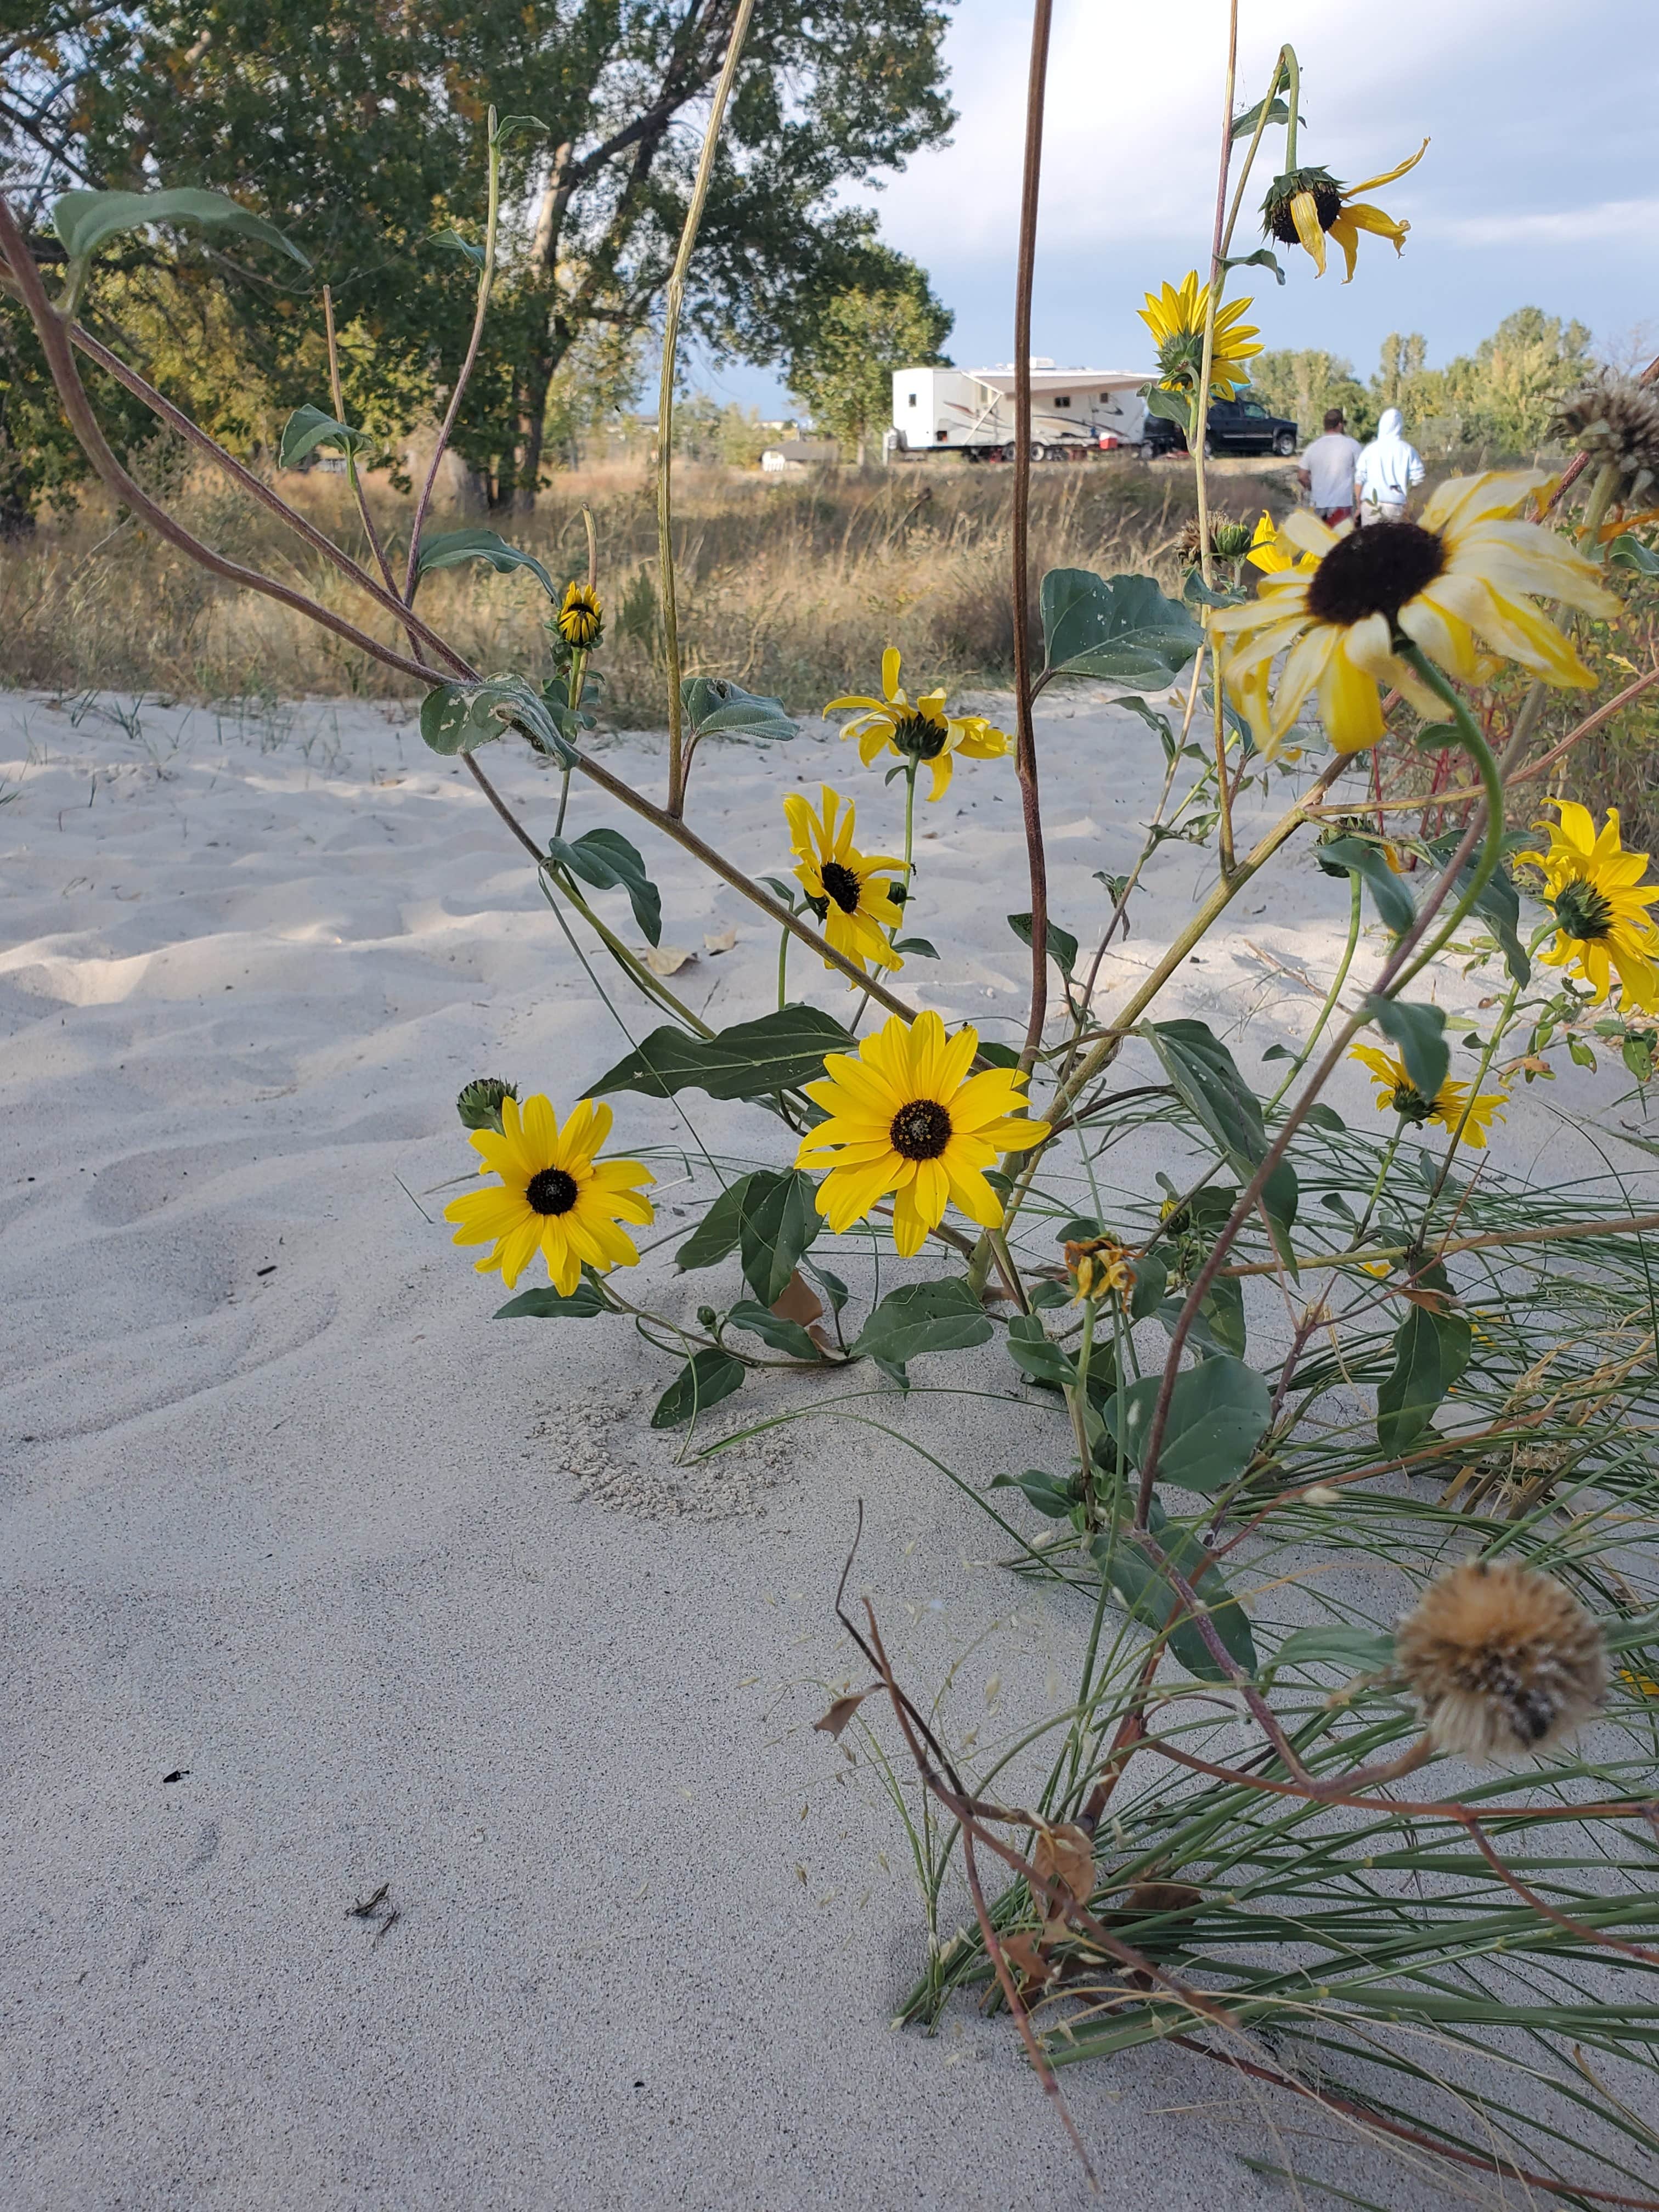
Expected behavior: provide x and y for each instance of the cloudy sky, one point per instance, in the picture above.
(1538, 187)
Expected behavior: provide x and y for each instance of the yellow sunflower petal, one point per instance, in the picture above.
(1372, 184)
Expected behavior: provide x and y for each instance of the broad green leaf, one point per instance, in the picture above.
(1062, 944)
(1629, 552)
(719, 1231)
(716, 706)
(1222, 1311)
(606, 859)
(516, 126)
(1430, 1351)
(701, 1382)
(307, 427)
(458, 718)
(997, 1055)
(86, 221)
(1173, 406)
(1217, 1413)
(1151, 1280)
(1263, 258)
(1166, 737)
(1353, 856)
(779, 1221)
(1124, 629)
(1206, 1075)
(751, 1060)
(1355, 1650)
(549, 1305)
(1497, 901)
(832, 1285)
(1036, 1354)
(1244, 125)
(1147, 1593)
(1053, 1496)
(918, 1317)
(919, 945)
(1632, 1634)
(787, 1336)
(449, 547)
(1420, 1033)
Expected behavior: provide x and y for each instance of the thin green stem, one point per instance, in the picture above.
(783, 969)
(1293, 102)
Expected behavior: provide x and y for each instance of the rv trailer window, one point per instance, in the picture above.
(913, 398)
(1063, 399)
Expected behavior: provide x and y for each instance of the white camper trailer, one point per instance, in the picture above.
(1074, 411)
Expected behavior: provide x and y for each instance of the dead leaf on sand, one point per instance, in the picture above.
(840, 1713)
(667, 959)
(722, 943)
(1025, 1956)
(1067, 1854)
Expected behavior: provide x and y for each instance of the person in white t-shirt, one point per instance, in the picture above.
(1387, 470)
(1326, 473)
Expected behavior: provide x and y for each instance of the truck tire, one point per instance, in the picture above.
(1285, 444)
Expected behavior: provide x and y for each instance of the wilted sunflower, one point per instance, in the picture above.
(1615, 419)
(582, 618)
(845, 886)
(557, 1197)
(905, 1117)
(1451, 1105)
(1099, 1267)
(1305, 204)
(918, 730)
(1459, 575)
(1500, 1659)
(1175, 319)
(1602, 926)
(1230, 540)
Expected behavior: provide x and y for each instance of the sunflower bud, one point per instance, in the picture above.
(480, 1103)
(1500, 1659)
(580, 619)
(1098, 1267)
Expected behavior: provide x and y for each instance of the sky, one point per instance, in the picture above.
(1538, 189)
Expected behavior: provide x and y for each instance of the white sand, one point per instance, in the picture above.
(280, 1506)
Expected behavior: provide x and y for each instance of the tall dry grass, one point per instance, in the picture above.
(793, 588)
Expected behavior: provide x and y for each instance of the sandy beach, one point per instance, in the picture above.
(316, 1579)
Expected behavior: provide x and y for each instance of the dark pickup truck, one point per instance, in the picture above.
(1235, 426)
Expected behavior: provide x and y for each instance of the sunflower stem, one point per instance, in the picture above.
(1292, 101)
(783, 969)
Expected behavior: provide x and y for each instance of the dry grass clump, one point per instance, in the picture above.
(792, 587)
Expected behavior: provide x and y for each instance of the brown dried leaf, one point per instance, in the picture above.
(1025, 1954)
(1067, 1854)
(667, 959)
(799, 1301)
(1149, 1897)
(840, 1713)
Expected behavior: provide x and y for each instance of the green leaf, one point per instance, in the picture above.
(452, 242)
(1166, 737)
(701, 1382)
(919, 945)
(1629, 552)
(1244, 125)
(1222, 1311)
(449, 547)
(716, 706)
(307, 427)
(752, 1060)
(1637, 1054)
(1497, 901)
(719, 1231)
(516, 126)
(1430, 1351)
(1217, 1413)
(1036, 1354)
(1052, 1495)
(1124, 629)
(1355, 1650)
(832, 1285)
(1207, 1078)
(787, 1336)
(1263, 258)
(1420, 1033)
(583, 1302)
(779, 1221)
(997, 1055)
(918, 1317)
(458, 718)
(1173, 406)
(1149, 1595)
(85, 221)
(1353, 856)
(606, 859)
(1062, 944)
(1151, 1280)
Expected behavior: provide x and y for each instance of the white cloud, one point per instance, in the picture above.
(1609, 219)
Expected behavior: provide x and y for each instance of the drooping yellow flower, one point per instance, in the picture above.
(1271, 553)
(1302, 208)
(1099, 1267)
(918, 730)
(905, 1117)
(582, 618)
(1175, 319)
(555, 1197)
(1454, 583)
(1451, 1105)
(847, 886)
(1602, 923)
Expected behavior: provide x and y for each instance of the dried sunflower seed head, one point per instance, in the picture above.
(1615, 419)
(1501, 1659)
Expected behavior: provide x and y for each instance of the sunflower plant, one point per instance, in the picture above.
(1345, 1507)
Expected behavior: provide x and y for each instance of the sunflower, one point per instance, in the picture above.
(1269, 552)
(1100, 1266)
(905, 1117)
(1303, 206)
(918, 730)
(1602, 923)
(844, 885)
(582, 618)
(1176, 320)
(1462, 572)
(555, 1197)
(1451, 1105)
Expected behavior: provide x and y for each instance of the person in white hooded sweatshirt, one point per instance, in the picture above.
(1387, 469)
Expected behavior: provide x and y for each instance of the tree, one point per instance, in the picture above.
(1305, 383)
(842, 362)
(357, 126)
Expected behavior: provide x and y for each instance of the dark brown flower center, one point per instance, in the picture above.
(921, 1130)
(1328, 205)
(1583, 912)
(1374, 571)
(842, 886)
(920, 736)
(551, 1191)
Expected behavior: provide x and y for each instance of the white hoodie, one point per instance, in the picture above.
(1388, 467)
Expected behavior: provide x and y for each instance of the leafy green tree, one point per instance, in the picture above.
(1304, 383)
(357, 126)
(841, 364)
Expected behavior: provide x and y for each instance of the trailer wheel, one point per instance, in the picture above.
(1039, 452)
(974, 453)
